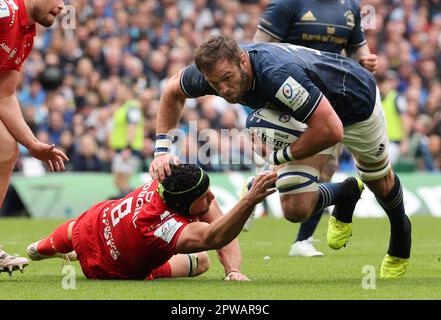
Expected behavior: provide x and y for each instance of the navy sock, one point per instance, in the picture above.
(308, 227)
(328, 194)
(400, 227)
(347, 200)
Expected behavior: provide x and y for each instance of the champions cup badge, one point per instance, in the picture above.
(287, 91)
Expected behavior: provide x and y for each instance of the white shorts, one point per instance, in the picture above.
(367, 140)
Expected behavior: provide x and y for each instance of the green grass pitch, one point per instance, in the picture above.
(337, 275)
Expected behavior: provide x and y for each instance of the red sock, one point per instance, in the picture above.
(163, 271)
(57, 241)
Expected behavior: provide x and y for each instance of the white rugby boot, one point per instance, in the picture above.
(10, 263)
(304, 249)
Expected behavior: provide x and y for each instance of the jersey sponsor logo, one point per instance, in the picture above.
(168, 230)
(108, 236)
(308, 16)
(143, 197)
(4, 9)
(5, 47)
(324, 38)
(12, 54)
(292, 94)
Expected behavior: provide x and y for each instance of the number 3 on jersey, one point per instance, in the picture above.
(121, 210)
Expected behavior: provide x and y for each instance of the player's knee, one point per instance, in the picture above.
(296, 211)
(9, 154)
(380, 178)
(199, 263)
(295, 184)
(204, 262)
(297, 179)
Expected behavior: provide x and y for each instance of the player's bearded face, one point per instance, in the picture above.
(243, 84)
(229, 80)
(45, 11)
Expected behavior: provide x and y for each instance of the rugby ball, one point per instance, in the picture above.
(271, 129)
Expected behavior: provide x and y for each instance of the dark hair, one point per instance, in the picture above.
(216, 48)
(184, 186)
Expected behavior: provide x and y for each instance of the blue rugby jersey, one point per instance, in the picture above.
(294, 78)
(326, 25)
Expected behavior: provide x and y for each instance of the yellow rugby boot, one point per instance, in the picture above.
(393, 267)
(339, 232)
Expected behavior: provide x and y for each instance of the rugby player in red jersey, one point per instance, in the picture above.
(158, 230)
(17, 31)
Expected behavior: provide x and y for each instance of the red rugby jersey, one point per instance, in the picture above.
(16, 34)
(130, 237)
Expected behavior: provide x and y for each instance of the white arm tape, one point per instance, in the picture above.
(281, 156)
(163, 143)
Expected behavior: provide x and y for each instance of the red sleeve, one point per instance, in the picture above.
(167, 234)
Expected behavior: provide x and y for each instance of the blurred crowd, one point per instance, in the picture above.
(115, 57)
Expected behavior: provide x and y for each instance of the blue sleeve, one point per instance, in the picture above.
(356, 39)
(278, 18)
(194, 84)
(294, 91)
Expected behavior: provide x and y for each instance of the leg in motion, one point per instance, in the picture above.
(389, 194)
(57, 245)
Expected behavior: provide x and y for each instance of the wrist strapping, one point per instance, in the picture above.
(281, 156)
(163, 143)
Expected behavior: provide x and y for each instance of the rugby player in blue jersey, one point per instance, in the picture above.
(338, 100)
(325, 25)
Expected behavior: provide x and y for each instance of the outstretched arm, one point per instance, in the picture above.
(230, 255)
(200, 236)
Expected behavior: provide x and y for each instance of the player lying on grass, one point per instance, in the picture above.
(159, 230)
